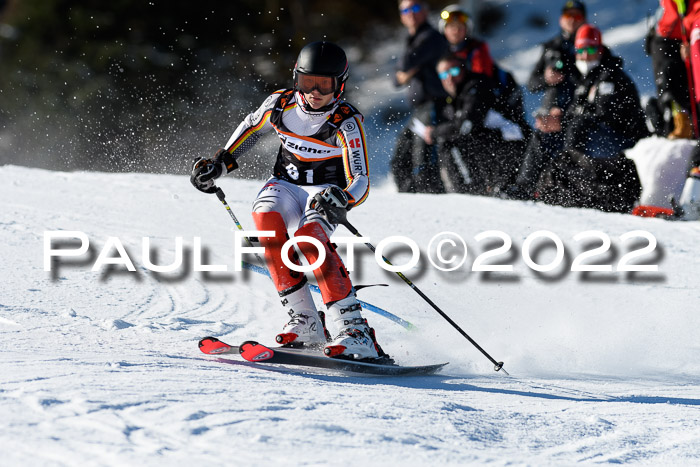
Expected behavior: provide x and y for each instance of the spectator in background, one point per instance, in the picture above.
(462, 140)
(457, 26)
(507, 142)
(556, 74)
(559, 49)
(415, 165)
(669, 112)
(604, 118)
(690, 52)
(605, 115)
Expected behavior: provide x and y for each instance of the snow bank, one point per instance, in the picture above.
(662, 165)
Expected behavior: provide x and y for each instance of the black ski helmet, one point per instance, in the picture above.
(324, 59)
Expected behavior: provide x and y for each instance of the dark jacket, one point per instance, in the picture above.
(559, 96)
(508, 94)
(466, 112)
(423, 50)
(605, 96)
(509, 99)
(559, 48)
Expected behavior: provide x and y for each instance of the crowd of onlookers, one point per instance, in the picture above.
(468, 133)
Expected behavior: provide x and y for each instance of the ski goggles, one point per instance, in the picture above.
(573, 14)
(454, 71)
(592, 49)
(454, 16)
(412, 9)
(307, 83)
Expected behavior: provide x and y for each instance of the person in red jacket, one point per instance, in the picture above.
(690, 52)
(670, 111)
(456, 25)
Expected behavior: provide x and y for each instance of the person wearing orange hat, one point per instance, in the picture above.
(555, 73)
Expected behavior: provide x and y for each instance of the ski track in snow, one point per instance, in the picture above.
(103, 367)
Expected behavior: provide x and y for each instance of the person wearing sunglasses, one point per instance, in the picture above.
(605, 115)
(320, 172)
(464, 145)
(457, 27)
(414, 163)
(555, 75)
(604, 118)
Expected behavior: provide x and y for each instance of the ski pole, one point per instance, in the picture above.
(222, 197)
(498, 366)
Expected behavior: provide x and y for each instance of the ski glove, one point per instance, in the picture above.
(205, 171)
(331, 203)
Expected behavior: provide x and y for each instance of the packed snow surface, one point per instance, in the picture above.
(102, 367)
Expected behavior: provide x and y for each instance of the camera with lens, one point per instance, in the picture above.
(553, 59)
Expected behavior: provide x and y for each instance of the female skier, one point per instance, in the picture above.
(320, 173)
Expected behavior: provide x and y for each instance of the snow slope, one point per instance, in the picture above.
(102, 368)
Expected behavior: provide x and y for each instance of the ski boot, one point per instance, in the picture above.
(306, 326)
(355, 339)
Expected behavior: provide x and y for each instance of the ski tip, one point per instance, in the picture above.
(203, 340)
(212, 346)
(255, 352)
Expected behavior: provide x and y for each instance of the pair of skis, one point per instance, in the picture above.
(258, 353)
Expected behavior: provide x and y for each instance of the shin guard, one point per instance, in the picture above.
(332, 277)
(284, 278)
